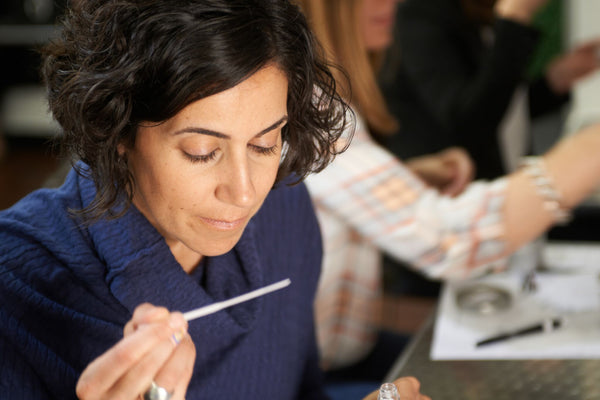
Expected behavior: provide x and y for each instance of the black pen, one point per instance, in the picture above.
(547, 325)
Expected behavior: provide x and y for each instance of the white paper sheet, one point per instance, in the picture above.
(570, 290)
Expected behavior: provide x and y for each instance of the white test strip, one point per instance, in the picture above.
(218, 306)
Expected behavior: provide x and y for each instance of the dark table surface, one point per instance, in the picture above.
(496, 379)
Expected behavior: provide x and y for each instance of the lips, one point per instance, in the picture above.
(224, 225)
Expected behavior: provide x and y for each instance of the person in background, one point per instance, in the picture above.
(369, 202)
(184, 115)
(3, 149)
(458, 78)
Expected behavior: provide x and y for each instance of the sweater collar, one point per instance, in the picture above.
(141, 268)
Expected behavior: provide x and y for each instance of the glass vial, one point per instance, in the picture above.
(388, 391)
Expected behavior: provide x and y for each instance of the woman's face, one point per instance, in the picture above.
(201, 175)
(376, 19)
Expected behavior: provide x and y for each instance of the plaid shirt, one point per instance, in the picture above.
(367, 202)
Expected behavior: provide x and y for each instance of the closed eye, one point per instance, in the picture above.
(204, 158)
(201, 158)
(264, 150)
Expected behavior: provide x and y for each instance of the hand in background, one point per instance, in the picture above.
(565, 70)
(408, 389)
(155, 346)
(521, 11)
(449, 171)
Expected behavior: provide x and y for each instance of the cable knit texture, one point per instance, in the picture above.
(66, 291)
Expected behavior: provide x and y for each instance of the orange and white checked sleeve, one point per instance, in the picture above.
(378, 197)
(367, 202)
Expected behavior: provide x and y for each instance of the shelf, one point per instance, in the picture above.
(26, 34)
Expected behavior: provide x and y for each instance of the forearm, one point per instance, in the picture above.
(392, 209)
(574, 166)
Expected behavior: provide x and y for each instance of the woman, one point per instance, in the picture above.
(368, 202)
(184, 114)
(460, 79)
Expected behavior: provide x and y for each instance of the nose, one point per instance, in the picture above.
(236, 186)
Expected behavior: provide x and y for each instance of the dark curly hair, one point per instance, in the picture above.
(119, 63)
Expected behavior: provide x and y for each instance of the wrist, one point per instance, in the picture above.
(552, 198)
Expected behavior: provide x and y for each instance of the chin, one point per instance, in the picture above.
(385, 42)
(219, 248)
(380, 45)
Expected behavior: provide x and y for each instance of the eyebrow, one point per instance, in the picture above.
(203, 131)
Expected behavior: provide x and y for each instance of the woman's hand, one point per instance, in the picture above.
(521, 11)
(155, 347)
(450, 171)
(565, 70)
(408, 389)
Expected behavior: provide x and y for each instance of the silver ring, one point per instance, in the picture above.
(156, 392)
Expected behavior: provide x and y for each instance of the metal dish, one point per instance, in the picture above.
(483, 299)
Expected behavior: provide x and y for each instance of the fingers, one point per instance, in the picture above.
(458, 161)
(138, 378)
(408, 389)
(519, 10)
(126, 369)
(455, 187)
(176, 370)
(432, 169)
(565, 70)
(145, 314)
(176, 373)
(589, 45)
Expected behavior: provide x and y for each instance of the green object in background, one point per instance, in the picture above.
(550, 22)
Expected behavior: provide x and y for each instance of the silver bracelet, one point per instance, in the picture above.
(535, 168)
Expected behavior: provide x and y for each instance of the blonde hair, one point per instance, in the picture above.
(336, 25)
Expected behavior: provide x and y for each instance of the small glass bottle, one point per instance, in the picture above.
(388, 391)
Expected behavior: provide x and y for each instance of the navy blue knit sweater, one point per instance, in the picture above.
(66, 291)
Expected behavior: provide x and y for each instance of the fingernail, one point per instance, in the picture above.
(177, 337)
